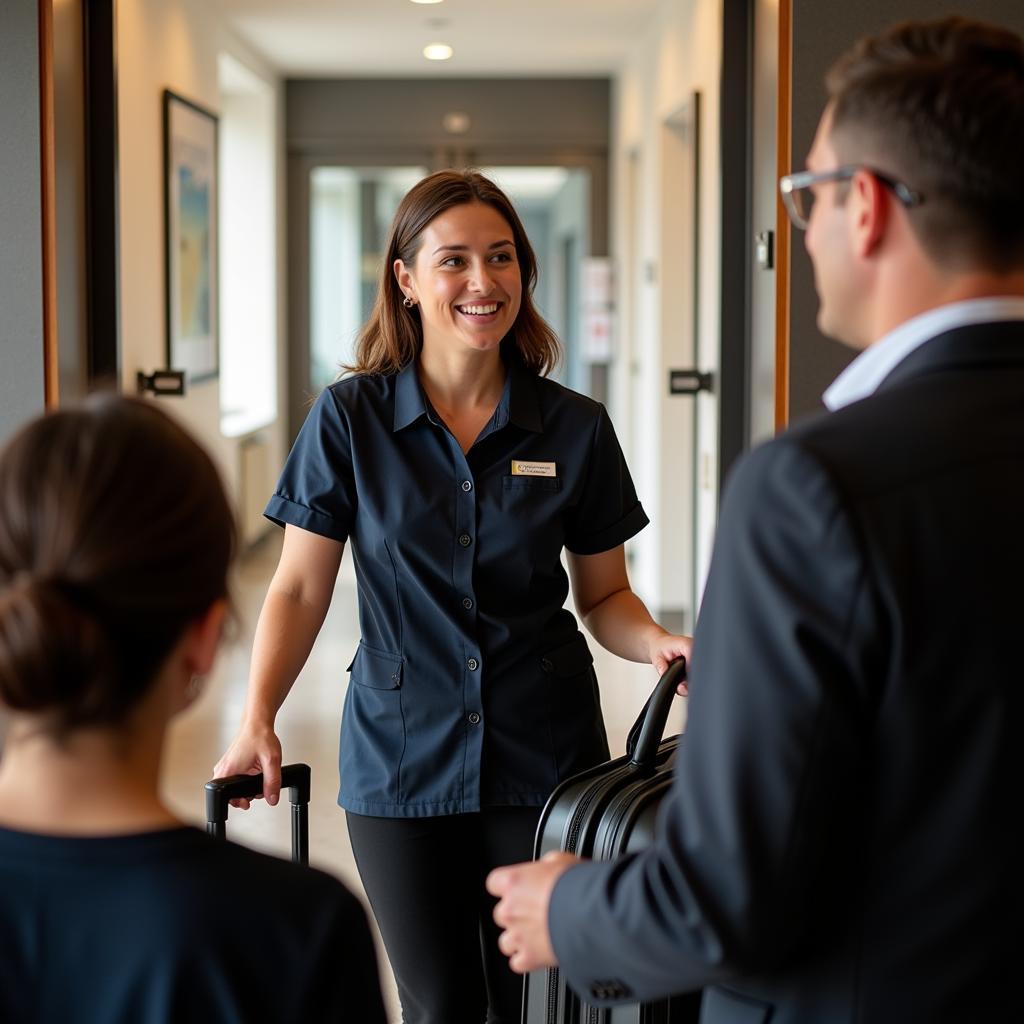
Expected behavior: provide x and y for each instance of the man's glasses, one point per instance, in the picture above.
(798, 196)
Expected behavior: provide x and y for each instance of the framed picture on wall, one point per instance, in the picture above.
(190, 230)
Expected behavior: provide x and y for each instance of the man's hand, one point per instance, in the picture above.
(524, 892)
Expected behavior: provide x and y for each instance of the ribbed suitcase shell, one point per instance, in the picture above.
(602, 813)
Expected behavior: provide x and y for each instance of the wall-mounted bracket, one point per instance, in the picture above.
(161, 382)
(689, 382)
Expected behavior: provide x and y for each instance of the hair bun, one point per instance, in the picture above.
(52, 650)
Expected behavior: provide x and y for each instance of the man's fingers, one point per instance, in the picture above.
(498, 881)
(506, 943)
(521, 963)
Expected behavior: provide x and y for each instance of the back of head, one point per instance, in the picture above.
(115, 534)
(940, 106)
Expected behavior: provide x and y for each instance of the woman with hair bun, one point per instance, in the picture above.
(115, 543)
(460, 474)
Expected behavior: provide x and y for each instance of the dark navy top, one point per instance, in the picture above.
(472, 685)
(172, 927)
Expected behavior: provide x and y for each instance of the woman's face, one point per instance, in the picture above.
(465, 279)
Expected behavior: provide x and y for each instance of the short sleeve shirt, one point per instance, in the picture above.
(472, 685)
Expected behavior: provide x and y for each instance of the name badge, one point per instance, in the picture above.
(533, 468)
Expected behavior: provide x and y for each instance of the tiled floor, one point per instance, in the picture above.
(309, 722)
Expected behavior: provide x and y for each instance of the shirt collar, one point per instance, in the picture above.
(519, 402)
(865, 374)
(523, 396)
(410, 402)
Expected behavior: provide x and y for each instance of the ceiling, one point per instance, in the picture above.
(360, 38)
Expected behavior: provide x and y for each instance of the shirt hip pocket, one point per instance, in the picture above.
(373, 728)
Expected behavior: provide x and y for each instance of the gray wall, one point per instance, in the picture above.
(821, 32)
(21, 258)
(70, 213)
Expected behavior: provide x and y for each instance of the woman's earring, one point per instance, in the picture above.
(408, 303)
(194, 688)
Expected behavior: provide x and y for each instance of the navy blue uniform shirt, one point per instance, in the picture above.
(472, 685)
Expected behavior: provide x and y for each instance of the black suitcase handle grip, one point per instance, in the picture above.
(294, 777)
(649, 728)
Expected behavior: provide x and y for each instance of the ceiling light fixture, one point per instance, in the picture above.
(426, 1)
(455, 122)
(437, 51)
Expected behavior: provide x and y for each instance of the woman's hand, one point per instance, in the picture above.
(255, 749)
(665, 648)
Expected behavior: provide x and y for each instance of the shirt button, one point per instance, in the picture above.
(474, 718)
(473, 664)
(467, 603)
(465, 540)
(467, 485)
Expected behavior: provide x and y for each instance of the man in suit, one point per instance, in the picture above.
(840, 843)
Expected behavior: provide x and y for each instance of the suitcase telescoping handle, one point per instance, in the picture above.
(294, 778)
(649, 728)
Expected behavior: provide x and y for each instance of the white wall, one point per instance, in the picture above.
(248, 251)
(679, 52)
(174, 44)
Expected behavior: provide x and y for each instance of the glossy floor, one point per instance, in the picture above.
(309, 722)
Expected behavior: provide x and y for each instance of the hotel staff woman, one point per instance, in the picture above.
(458, 472)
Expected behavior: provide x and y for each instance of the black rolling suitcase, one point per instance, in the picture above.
(294, 777)
(602, 813)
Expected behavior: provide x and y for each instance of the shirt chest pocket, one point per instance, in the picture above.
(529, 488)
(532, 508)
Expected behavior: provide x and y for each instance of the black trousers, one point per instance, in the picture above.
(425, 881)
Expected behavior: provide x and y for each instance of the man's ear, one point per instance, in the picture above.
(204, 637)
(868, 212)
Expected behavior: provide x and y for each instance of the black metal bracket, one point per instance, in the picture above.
(689, 382)
(161, 382)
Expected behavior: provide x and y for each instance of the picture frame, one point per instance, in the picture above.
(191, 212)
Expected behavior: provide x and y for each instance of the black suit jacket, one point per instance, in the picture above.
(841, 841)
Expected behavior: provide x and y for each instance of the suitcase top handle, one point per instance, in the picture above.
(294, 778)
(648, 729)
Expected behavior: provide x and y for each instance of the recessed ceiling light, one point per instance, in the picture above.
(437, 51)
(426, 1)
(455, 122)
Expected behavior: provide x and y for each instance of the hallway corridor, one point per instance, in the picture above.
(309, 722)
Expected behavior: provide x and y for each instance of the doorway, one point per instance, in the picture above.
(349, 216)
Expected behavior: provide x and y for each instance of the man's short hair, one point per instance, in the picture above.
(940, 106)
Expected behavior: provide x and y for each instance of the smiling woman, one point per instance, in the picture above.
(465, 280)
(460, 474)
(454, 232)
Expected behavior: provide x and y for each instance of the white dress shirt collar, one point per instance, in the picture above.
(863, 376)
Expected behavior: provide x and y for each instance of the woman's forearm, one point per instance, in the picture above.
(287, 628)
(622, 624)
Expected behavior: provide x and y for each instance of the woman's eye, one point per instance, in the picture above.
(451, 261)
(502, 257)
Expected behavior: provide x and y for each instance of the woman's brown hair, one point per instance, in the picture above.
(115, 535)
(393, 335)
